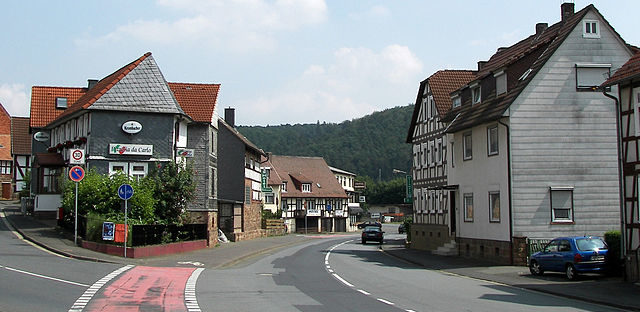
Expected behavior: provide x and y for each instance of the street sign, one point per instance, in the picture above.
(125, 191)
(76, 173)
(76, 156)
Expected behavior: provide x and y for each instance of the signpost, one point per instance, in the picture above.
(76, 174)
(76, 156)
(125, 191)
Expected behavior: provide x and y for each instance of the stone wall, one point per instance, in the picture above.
(210, 218)
(429, 236)
(498, 252)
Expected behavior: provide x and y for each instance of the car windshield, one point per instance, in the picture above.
(589, 244)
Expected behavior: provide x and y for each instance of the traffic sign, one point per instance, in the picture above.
(76, 173)
(76, 156)
(125, 191)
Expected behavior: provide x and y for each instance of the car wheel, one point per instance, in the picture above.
(571, 272)
(535, 269)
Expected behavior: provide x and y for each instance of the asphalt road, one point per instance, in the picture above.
(324, 274)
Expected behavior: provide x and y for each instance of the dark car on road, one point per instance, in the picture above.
(401, 228)
(571, 255)
(372, 233)
(369, 223)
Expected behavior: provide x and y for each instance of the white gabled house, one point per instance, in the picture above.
(534, 141)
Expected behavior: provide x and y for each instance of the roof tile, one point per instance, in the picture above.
(308, 170)
(197, 100)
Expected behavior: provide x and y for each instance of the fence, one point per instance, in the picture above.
(535, 245)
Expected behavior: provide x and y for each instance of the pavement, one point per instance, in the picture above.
(610, 291)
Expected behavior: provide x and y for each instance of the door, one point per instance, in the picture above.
(327, 224)
(6, 190)
(452, 212)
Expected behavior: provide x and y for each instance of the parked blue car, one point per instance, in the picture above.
(571, 255)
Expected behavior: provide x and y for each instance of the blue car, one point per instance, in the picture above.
(571, 255)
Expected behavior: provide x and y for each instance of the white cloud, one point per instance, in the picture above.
(14, 99)
(359, 81)
(241, 25)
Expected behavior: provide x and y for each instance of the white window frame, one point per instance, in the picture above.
(490, 142)
(112, 165)
(306, 187)
(476, 94)
(284, 187)
(456, 101)
(467, 198)
(587, 29)
(464, 146)
(138, 174)
(559, 190)
(501, 82)
(62, 102)
(586, 70)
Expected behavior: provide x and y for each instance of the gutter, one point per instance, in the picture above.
(509, 187)
(623, 211)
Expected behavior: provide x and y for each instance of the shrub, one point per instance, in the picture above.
(174, 188)
(407, 227)
(612, 238)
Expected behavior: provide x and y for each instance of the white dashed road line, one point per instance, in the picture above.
(190, 291)
(342, 280)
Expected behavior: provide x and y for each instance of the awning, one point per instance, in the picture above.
(354, 208)
(49, 160)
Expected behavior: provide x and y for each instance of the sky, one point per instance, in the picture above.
(278, 62)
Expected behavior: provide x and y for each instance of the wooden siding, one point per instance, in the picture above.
(562, 137)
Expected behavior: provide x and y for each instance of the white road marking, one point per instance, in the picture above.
(342, 280)
(190, 291)
(385, 301)
(81, 303)
(363, 292)
(44, 276)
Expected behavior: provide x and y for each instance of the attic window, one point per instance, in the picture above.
(306, 187)
(457, 100)
(61, 102)
(501, 82)
(590, 29)
(525, 75)
(590, 76)
(476, 97)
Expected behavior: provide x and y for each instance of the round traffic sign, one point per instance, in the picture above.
(125, 191)
(76, 173)
(76, 154)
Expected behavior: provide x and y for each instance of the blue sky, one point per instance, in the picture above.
(279, 62)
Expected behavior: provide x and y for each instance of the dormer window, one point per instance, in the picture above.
(457, 100)
(61, 102)
(306, 187)
(590, 29)
(284, 186)
(501, 82)
(475, 95)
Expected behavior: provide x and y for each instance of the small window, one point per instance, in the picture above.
(494, 205)
(590, 29)
(269, 198)
(476, 97)
(61, 102)
(589, 77)
(561, 205)
(468, 207)
(457, 101)
(501, 83)
(306, 188)
(492, 141)
(284, 186)
(466, 147)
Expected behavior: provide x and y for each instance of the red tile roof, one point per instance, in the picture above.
(102, 87)
(312, 170)
(197, 100)
(20, 138)
(630, 69)
(43, 103)
(5, 121)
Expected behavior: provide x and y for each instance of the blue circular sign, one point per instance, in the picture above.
(76, 173)
(125, 191)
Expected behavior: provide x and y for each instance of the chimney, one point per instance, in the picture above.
(230, 116)
(481, 64)
(91, 83)
(567, 9)
(540, 27)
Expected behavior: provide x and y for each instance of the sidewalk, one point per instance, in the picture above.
(609, 291)
(605, 290)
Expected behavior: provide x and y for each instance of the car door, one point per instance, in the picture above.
(549, 253)
(565, 254)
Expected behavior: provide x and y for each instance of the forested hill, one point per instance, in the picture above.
(362, 146)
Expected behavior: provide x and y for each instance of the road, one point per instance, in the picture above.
(325, 274)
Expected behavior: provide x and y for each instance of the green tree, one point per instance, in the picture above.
(175, 187)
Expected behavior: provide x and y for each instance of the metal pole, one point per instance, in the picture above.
(75, 236)
(125, 228)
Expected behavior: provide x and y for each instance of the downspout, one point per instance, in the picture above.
(623, 211)
(509, 187)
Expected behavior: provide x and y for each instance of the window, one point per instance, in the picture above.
(269, 198)
(466, 146)
(306, 187)
(494, 205)
(115, 167)
(212, 146)
(590, 29)
(453, 163)
(50, 180)
(590, 76)
(457, 101)
(492, 141)
(5, 167)
(212, 185)
(475, 95)
(468, 207)
(561, 204)
(636, 109)
(284, 186)
(439, 151)
(61, 102)
(501, 82)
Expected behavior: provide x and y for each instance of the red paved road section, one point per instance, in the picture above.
(145, 289)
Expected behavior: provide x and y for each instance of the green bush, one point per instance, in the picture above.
(407, 227)
(612, 238)
(174, 188)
